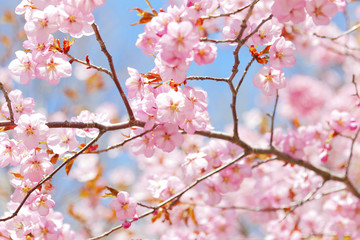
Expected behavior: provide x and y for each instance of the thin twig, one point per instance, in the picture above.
(176, 196)
(81, 125)
(235, 70)
(273, 119)
(227, 14)
(356, 87)
(145, 206)
(351, 152)
(7, 101)
(205, 39)
(244, 74)
(206, 78)
(122, 143)
(307, 198)
(269, 209)
(100, 69)
(50, 176)
(263, 162)
(113, 72)
(354, 28)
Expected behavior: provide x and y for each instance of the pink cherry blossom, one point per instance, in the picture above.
(86, 6)
(19, 105)
(88, 117)
(54, 67)
(167, 137)
(135, 83)
(175, 71)
(144, 145)
(62, 140)
(22, 68)
(289, 10)
(42, 23)
(180, 38)
(75, 22)
(195, 164)
(42, 204)
(10, 151)
(35, 165)
(266, 33)
(22, 187)
(269, 80)
(147, 41)
(31, 129)
(205, 53)
(321, 11)
(173, 107)
(210, 190)
(198, 8)
(39, 48)
(341, 121)
(124, 205)
(85, 168)
(282, 54)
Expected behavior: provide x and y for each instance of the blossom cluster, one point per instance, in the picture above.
(34, 149)
(294, 182)
(43, 19)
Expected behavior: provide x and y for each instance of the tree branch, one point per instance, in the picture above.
(7, 101)
(273, 119)
(100, 69)
(50, 176)
(113, 72)
(174, 197)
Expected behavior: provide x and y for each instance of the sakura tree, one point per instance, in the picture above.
(286, 169)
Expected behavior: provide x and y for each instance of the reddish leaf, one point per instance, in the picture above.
(69, 166)
(113, 192)
(145, 16)
(17, 175)
(54, 158)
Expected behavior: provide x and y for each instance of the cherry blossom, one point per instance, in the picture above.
(196, 168)
(292, 10)
(23, 68)
(282, 54)
(167, 137)
(124, 205)
(31, 129)
(321, 11)
(54, 67)
(269, 80)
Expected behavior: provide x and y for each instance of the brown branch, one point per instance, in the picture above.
(355, 85)
(235, 71)
(80, 125)
(273, 119)
(122, 143)
(307, 198)
(100, 69)
(281, 156)
(7, 101)
(354, 28)
(205, 39)
(50, 176)
(270, 209)
(244, 74)
(176, 196)
(113, 72)
(351, 152)
(207, 78)
(227, 14)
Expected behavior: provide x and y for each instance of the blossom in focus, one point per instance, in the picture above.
(269, 80)
(124, 205)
